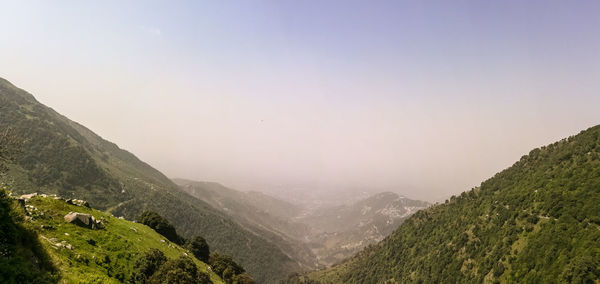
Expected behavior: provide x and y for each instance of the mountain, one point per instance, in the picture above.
(261, 214)
(57, 251)
(251, 207)
(316, 236)
(59, 156)
(339, 232)
(536, 222)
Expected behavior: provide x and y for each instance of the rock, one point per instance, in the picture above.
(78, 202)
(83, 220)
(28, 196)
(30, 210)
(99, 225)
(69, 246)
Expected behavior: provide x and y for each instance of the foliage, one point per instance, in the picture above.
(22, 258)
(9, 147)
(199, 248)
(535, 222)
(229, 270)
(153, 267)
(203, 278)
(147, 265)
(181, 270)
(161, 226)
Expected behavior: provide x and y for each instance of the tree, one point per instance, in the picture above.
(204, 278)
(161, 226)
(9, 145)
(220, 263)
(199, 248)
(8, 228)
(243, 278)
(145, 266)
(181, 270)
(229, 270)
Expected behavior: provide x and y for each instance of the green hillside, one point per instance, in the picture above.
(74, 254)
(535, 222)
(260, 214)
(59, 156)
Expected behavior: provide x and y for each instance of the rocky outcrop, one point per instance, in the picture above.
(83, 220)
(78, 202)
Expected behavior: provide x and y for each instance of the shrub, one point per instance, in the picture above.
(147, 265)
(181, 270)
(161, 226)
(199, 248)
(229, 270)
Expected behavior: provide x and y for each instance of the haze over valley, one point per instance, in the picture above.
(299, 142)
(425, 100)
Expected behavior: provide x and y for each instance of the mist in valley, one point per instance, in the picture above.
(263, 141)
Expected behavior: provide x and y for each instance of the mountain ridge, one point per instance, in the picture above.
(65, 158)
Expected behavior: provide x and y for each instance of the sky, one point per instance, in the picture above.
(423, 98)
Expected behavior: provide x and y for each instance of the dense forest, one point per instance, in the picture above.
(535, 222)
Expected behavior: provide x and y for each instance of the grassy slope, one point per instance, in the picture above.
(117, 246)
(535, 222)
(62, 157)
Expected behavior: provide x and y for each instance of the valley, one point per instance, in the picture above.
(318, 235)
(270, 237)
(543, 207)
(299, 142)
(537, 221)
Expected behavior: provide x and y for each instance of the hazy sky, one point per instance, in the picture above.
(425, 98)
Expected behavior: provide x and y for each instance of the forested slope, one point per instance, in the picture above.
(535, 222)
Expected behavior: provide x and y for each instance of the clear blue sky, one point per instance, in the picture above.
(426, 98)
